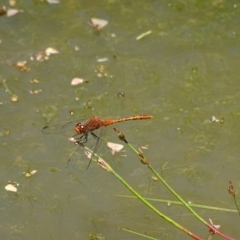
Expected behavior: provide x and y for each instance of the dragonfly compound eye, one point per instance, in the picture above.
(78, 128)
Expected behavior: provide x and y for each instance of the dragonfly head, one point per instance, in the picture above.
(79, 128)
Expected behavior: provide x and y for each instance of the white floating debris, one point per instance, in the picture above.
(143, 35)
(98, 23)
(214, 119)
(77, 81)
(76, 48)
(50, 51)
(29, 173)
(44, 54)
(115, 147)
(12, 12)
(10, 187)
(53, 1)
(102, 59)
(14, 98)
(33, 172)
(40, 56)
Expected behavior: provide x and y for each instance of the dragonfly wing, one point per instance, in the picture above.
(59, 128)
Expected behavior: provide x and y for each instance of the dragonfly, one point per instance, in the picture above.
(83, 130)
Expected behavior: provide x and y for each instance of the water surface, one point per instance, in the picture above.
(183, 73)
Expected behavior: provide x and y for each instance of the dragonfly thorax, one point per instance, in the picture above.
(80, 128)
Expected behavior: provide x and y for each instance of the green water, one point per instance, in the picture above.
(183, 73)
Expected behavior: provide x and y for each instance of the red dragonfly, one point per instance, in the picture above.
(83, 129)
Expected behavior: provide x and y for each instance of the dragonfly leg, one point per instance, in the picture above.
(82, 139)
(95, 147)
(94, 135)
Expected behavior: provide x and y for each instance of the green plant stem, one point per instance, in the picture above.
(215, 230)
(107, 167)
(180, 203)
(6, 87)
(145, 162)
(235, 201)
(153, 208)
(139, 234)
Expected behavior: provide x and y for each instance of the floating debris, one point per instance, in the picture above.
(40, 56)
(21, 65)
(14, 97)
(53, 1)
(28, 173)
(77, 81)
(115, 147)
(36, 91)
(121, 94)
(216, 120)
(71, 111)
(11, 186)
(143, 35)
(76, 48)
(145, 147)
(98, 23)
(102, 59)
(44, 55)
(154, 178)
(101, 71)
(50, 51)
(11, 12)
(34, 81)
(6, 132)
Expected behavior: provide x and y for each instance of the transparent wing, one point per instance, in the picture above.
(59, 128)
